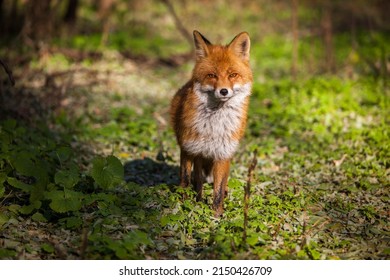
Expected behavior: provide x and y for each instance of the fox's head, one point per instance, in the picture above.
(222, 72)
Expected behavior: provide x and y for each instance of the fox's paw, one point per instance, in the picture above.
(218, 211)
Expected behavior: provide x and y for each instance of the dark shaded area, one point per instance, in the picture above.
(149, 172)
(37, 95)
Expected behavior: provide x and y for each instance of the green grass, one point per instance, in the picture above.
(136, 42)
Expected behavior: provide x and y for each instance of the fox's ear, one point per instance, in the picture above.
(241, 45)
(201, 45)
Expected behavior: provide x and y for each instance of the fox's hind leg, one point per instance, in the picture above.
(208, 170)
(185, 169)
(202, 172)
(198, 177)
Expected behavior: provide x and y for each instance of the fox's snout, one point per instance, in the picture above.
(223, 93)
(219, 93)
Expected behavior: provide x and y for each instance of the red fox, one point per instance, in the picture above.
(209, 113)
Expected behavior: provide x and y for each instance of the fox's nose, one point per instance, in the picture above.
(224, 92)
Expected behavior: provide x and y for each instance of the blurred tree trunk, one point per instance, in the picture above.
(9, 20)
(1, 10)
(71, 12)
(38, 22)
(14, 18)
(105, 7)
(294, 26)
(2, 18)
(326, 23)
(179, 25)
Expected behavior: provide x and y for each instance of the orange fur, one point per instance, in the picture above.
(209, 113)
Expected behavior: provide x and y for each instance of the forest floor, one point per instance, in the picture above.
(320, 189)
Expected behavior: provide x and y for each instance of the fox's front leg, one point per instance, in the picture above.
(220, 174)
(185, 169)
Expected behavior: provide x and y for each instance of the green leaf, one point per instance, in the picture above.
(72, 222)
(64, 153)
(67, 178)
(27, 209)
(312, 252)
(7, 253)
(37, 193)
(41, 173)
(14, 208)
(3, 178)
(235, 183)
(9, 124)
(47, 248)
(18, 184)
(3, 219)
(136, 238)
(107, 171)
(23, 163)
(38, 217)
(118, 248)
(252, 240)
(64, 201)
(165, 220)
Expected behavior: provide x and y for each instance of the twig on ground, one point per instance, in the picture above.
(187, 35)
(8, 71)
(247, 189)
(84, 243)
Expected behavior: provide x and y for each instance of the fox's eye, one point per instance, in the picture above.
(211, 76)
(233, 75)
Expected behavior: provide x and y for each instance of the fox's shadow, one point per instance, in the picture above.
(149, 172)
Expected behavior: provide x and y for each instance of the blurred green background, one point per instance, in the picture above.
(289, 37)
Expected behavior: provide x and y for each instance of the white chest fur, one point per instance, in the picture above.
(216, 123)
